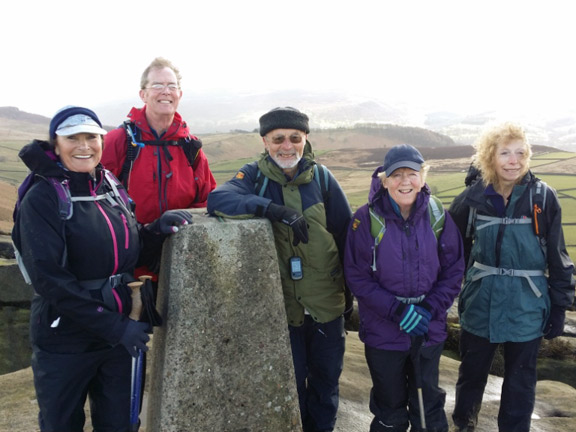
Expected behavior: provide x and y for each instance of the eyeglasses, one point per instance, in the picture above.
(159, 87)
(294, 139)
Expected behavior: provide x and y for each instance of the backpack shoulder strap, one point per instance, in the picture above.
(537, 206)
(60, 187)
(133, 146)
(377, 226)
(377, 230)
(320, 175)
(65, 207)
(437, 215)
(323, 179)
(118, 190)
(261, 183)
(191, 148)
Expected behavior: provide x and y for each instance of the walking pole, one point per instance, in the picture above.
(415, 348)
(136, 377)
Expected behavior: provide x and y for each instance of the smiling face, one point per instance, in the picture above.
(163, 101)
(80, 152)
(286, 147)
(511, 162)
(403, 186)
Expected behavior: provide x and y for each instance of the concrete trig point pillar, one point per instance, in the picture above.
(222, 359)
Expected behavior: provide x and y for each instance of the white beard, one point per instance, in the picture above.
(286, 164)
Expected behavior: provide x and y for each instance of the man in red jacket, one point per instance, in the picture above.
(154, 155)
(161, 177)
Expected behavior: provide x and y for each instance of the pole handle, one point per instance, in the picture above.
(136, 300)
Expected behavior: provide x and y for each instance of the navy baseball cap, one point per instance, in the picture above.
(402, 156)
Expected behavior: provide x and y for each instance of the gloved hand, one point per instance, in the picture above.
(135, 337)
(555, 325)
(169, 222)
(415, 320)
(290, 217)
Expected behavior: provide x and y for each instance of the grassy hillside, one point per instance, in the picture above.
(352, 155)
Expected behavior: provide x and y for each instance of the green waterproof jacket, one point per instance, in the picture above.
(321, 290)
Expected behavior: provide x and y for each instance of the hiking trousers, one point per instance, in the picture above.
(63, 381)
(318, 356)
(394, 396)
(518, 388)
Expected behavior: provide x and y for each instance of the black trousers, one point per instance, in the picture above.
(64, 381)
(394, 397)
(518, 387)
(318, 356)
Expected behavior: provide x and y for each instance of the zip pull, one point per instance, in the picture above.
(537, 211)
(374, 255)
(134, 142)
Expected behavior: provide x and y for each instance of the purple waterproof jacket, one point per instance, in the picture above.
(410, 263)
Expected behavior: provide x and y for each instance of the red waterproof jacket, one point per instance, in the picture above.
(161, 178)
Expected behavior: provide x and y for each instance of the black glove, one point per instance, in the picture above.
(290, 217)
(555, 325)
(169, 222)
(135, 337)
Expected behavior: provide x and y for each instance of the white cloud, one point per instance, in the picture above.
(464, 55)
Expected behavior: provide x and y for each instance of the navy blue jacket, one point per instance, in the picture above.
(101, 239)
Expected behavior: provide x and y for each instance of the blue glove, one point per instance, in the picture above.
(555, 325)
(135, 337)
(415, 320)
(169, 222)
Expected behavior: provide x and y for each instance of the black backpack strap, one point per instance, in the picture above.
(190, 146)
(133, 146)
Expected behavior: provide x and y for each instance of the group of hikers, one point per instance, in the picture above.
(93, 215)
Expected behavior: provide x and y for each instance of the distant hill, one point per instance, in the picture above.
(222, 112)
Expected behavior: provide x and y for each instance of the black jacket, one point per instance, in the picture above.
(99, 240)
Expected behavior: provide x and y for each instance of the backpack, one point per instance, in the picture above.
(320, 175)
(190, 146)
(538, 192)
(66, 201)
(378, 224)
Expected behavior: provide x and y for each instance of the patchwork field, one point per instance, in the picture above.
(352, 167)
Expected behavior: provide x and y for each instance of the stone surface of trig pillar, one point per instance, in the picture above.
(222, 360)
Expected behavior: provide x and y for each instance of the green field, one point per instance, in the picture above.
(356, 182)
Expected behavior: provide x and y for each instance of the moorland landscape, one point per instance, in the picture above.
(351, 153)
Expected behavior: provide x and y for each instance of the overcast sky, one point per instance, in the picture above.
(465, 56)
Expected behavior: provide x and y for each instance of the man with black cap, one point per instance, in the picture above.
(309, 214)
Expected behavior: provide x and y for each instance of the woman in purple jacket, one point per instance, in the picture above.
(404, 283)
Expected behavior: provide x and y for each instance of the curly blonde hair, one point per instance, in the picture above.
(487, 144)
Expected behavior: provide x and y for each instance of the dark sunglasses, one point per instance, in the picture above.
(294, 139)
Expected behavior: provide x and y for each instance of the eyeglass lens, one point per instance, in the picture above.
(294, 139)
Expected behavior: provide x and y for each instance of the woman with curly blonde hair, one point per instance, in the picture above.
(519, 278)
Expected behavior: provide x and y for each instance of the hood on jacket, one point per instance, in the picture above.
(375, 185)
(40, 158)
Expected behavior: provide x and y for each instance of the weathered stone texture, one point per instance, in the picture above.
(222, 360)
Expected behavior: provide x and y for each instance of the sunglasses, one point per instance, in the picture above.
(294, 139)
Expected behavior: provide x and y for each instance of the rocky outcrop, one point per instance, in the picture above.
(555, 409)
(222, 359)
